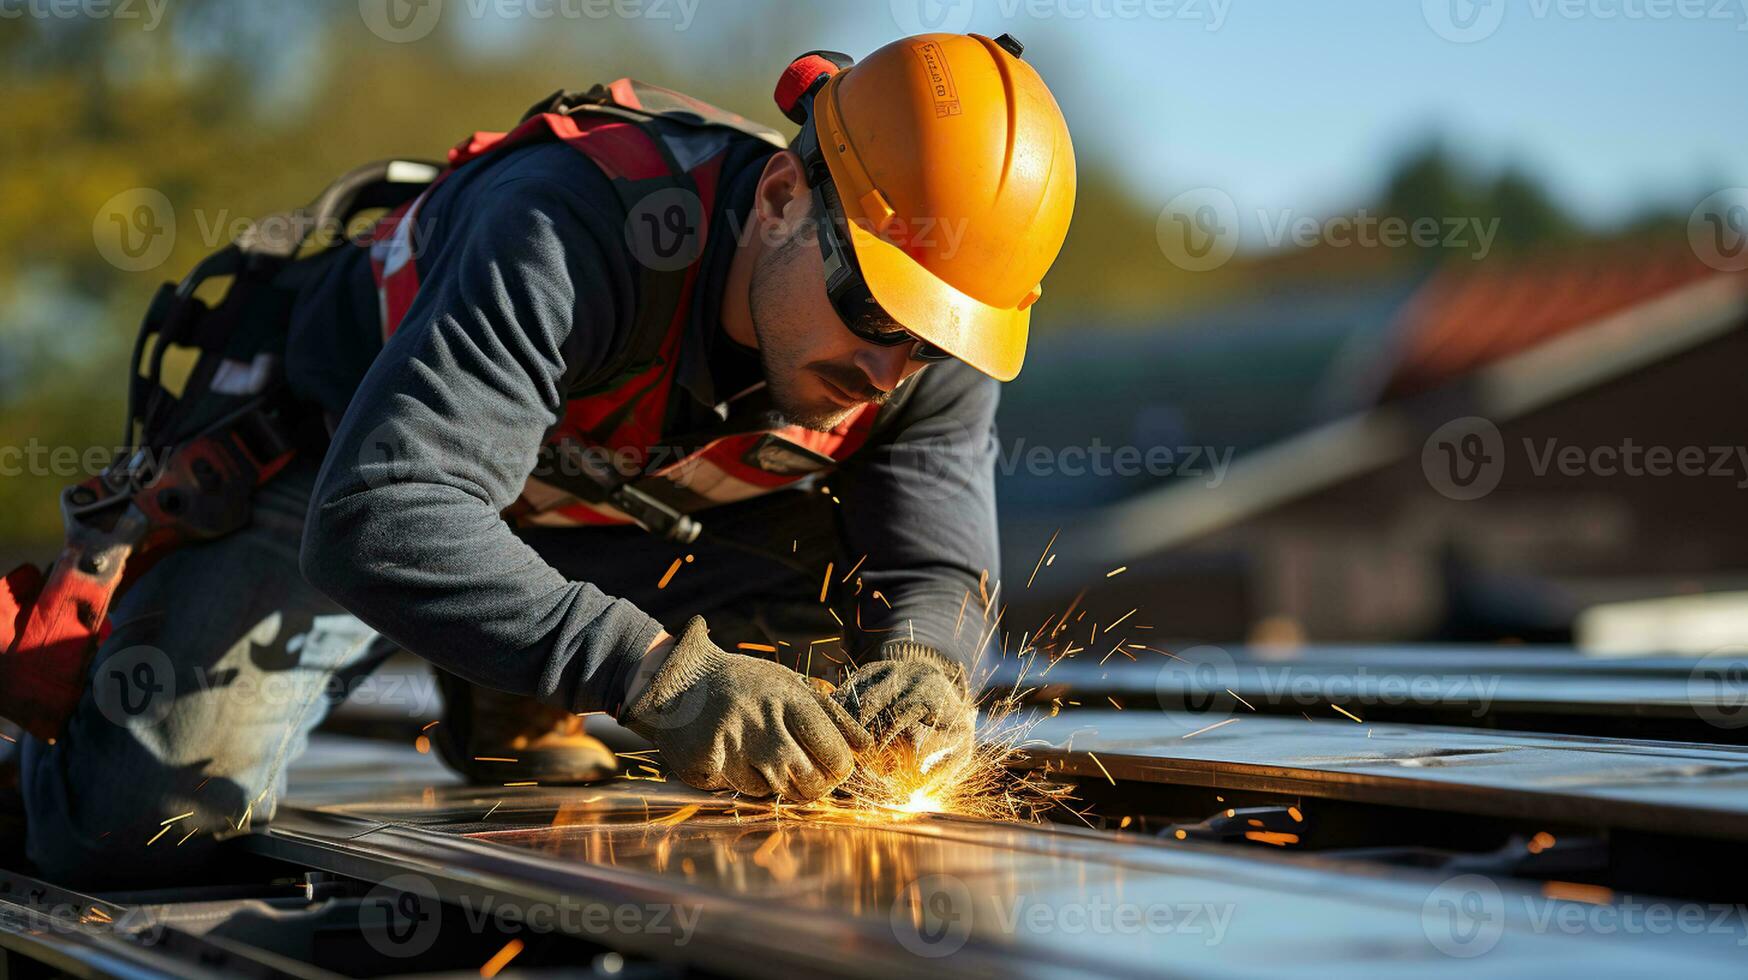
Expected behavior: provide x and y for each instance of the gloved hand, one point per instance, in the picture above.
(728, 721)
(915, 695)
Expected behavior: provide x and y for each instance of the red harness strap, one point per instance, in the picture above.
(118, 524)
(627, 418)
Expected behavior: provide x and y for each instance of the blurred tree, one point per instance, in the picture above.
(1427, 182)
(1528, 216)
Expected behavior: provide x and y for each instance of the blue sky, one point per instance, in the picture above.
(1288, 105)
(1303, 104)
(1616, 104)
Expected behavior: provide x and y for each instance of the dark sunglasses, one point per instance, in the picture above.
(844, 284)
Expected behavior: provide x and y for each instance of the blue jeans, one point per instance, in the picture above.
(222, 660)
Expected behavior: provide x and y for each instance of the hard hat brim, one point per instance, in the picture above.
(991, 339)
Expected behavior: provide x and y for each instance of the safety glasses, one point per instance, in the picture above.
(844, 284)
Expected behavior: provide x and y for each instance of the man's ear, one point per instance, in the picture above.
(782, 201)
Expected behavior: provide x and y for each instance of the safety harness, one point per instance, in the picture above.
(195, 447)
(611, 459)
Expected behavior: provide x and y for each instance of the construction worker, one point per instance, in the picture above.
(869, 284)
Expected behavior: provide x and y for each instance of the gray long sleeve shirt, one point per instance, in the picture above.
(527, 291)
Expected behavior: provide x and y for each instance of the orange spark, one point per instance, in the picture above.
(1209, 728)
(501, 958)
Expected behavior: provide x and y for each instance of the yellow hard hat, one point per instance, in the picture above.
(954, 174)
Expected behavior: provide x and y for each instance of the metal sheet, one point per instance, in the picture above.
(1654, 786)
(1463, 682)
(785, 891)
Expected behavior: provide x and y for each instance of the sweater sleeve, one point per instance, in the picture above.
(522, 298)
(919, 502)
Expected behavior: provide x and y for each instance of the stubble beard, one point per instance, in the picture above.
(785, 374)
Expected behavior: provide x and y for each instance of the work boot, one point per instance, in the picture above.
(494, 738)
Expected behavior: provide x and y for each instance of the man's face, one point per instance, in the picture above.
(818, 371)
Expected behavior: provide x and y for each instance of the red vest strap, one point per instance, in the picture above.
(627, 415)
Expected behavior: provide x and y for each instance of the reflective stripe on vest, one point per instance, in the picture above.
(627, 420)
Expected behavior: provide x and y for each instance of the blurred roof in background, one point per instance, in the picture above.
(1241, 376)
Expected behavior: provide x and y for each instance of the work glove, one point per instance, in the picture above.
(915, 700)
(729, 721)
